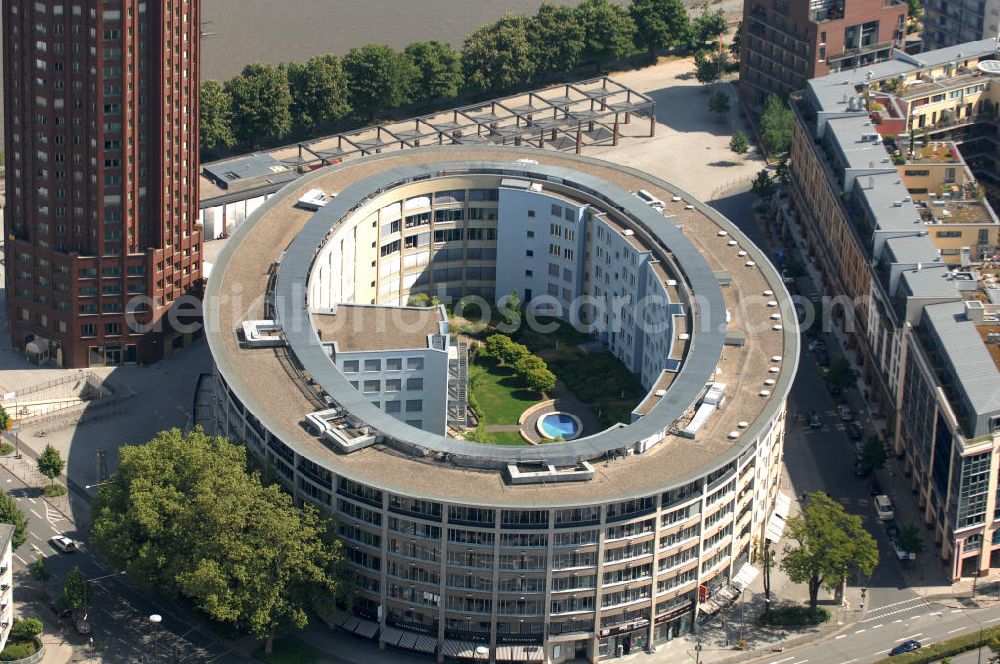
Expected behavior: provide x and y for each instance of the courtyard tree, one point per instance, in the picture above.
(535, 374)
(776, 123)
(660, 24)
(379, 79)
(11, 513)
(440, 68)
(763, 185)
(261, 103)
(319, 91)
(828, 544)
(873, 456)
(910, 540)
(708, 26)
(842, 375)
(708, 66)
(26, 628)
(914, 9)
(739, 144)
(718, 103)
(4, 419)
(736, 45)
(215, 126)
(50, 463)
(609, 31)
(185, 516)
(40, 570)
(498, 56)
(556, 38)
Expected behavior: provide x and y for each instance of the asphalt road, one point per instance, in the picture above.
(119, 615)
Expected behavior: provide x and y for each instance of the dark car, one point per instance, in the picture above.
(854, 431)
(876, 488)
(815, 421)
(904, 647)
(892, 530)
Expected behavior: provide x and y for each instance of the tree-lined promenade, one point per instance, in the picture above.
(266, 103)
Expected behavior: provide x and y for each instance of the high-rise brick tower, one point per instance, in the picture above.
(101, 142)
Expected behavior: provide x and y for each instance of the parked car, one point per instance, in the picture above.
(875, 488)
(854, 431)
(883, 508)
(859, 450)
(892, 530)
(845, 412)
(817, 344)
(64, 544)
(815, 421)
(905, 647)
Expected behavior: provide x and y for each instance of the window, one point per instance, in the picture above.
(393, 385)
(415, 383)
(529, 273)
(531, 214)
(531, 234)
(392, 406)
(351, 366)
(88, 330)
(556, 210)
(372, 386)
(414, 405)
(373, 365)
(415, 363)
(112, 329)
(394, 364)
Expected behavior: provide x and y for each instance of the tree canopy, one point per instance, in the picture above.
(763, 185)
(776, 123)
(261, 103)
(11, 513)
(827, 544)
(498, 56)
(183, 515)
(439, 67)
(708, 26)
(660, 24)
(842, 375)
(718, 103)
(739, 144)
(910, 540)
(75, 591)
(319, 91)
(215, 126)
(873, 456)
(380, 78)
(609, 30)
(556, 38)
(709, 65)
(50, 463)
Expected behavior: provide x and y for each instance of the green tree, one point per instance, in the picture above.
(736, 46)
(261, 103)
(75, 591)
(11, 513)
(776, 123)
(609, 31)
(556, 39)
(781, 171)
(319, 91)
(873, 456)
(842, 375)
(763, 185)
(709, 65)
(4, 419)
(184, 516)
(910, 540)
(380, 78)
(660, 24)
(440, 68)
(708, 26)
(26, 629)
(827, 545)
(914, 9)
(40, 569)
(215, 126)
(535, 374)
(739, 144)
(718, 103)
(498, 56)
(50, 463)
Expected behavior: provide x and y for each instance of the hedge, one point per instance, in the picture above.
(795, 616)
(936, 651)
(19, 650)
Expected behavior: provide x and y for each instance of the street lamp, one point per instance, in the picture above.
(156, 619)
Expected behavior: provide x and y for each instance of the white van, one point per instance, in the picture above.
(883, 507)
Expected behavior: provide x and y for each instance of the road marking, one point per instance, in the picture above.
(905, 601)
(957, 629)
(912, 636)
(876, 626)
(897, 620)
(802, 661)
(850, 661)
(37, 515)
(779, 661)
(54, 529)
(840, 637)
(37, 537)
(32, 500)
(23, 561)
(956, 610)
(858, 631)
(993, 620)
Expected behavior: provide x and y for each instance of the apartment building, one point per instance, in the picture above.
(951, 22)
(101, 136)
(905, 238)
(788, 42)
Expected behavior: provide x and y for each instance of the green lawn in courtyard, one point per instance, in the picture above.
(507, 438)
(602, 382)
(501, 396)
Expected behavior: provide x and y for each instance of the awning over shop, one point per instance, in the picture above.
(745, 576)
(776, 524)
(518, 653)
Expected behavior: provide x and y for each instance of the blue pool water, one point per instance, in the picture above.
(560, 424)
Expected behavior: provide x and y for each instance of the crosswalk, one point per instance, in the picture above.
(903, 606)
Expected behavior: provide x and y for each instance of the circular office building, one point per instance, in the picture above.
(331, 318)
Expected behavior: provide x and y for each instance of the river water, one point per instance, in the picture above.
(242, 31)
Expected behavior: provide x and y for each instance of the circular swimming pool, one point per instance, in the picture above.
(560, 425)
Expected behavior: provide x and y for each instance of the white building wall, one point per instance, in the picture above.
(6, 590)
